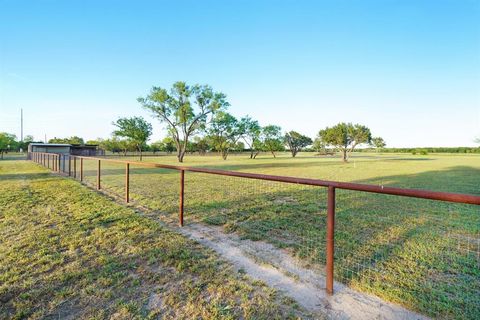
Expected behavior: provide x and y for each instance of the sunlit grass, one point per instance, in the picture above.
(67, 251)
(418, 253)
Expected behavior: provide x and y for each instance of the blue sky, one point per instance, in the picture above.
(410, 70)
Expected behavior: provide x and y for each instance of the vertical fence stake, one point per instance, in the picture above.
(127, 182)
(74, 167)
(330, 237)
(69, 165)
(63, 163)
(182, 190)
(98, 175)
(59, 157)
(81, 169)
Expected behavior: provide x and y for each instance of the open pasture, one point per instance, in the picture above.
(67, 252)
(422, 254)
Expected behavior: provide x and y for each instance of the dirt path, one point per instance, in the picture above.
(279, 270)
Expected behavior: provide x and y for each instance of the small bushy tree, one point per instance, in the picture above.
(224, 132)
(8, 142)
(271, 139)
(251, 136)
(296, 142)
(345, 137)
(378, 143)
(135, 129)
(319, 145)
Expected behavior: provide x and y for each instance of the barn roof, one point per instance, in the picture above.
(50, 144)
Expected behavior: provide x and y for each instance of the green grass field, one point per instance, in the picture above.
(421, 254)
(67, 252)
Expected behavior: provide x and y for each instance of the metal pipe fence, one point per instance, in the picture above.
(375, 245)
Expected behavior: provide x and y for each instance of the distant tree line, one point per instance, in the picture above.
(196, 120)
(425, 150)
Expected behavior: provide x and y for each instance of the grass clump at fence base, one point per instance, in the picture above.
(67, 250)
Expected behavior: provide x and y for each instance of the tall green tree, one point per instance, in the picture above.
(224, 132)
(251, 136)
(184, 109)
(135, 129)
(8, 142)
(378, 143)
(271, 139)
(345, 137)
(296, 142)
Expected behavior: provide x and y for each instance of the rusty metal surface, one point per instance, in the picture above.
(330, 238)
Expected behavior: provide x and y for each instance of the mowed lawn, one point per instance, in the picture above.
(424, 255)
(67, 252)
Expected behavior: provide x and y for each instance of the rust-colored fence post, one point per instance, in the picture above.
(74, 167)
(330, 237)
(69, 165)
(81, 169)
(182, 192)
(59, 164)
(98, 175)
(63, 156)
(127, 182)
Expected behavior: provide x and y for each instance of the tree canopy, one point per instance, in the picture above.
(224, 132)
(296, 142)
(378, 143)
(345, 137)
(251, 135)
(8, 142)
(271, 139)
(184, 109)
(135, 129)
(71, 140)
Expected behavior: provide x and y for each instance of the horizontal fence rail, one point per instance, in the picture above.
(67, 163)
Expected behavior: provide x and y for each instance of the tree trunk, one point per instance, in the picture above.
(273, 154)
(345, 157)
(256, 154)
(251, 154)
(180, 155)
(294, 153)
(140, 149)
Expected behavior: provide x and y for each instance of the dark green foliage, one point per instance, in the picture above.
(296, 142)
(135, 129)
(345, 137)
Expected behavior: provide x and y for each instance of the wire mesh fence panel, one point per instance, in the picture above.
(155, 188)
(422, 254)
(90, 171)
(288, 216)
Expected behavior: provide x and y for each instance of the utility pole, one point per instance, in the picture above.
(21, 125)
